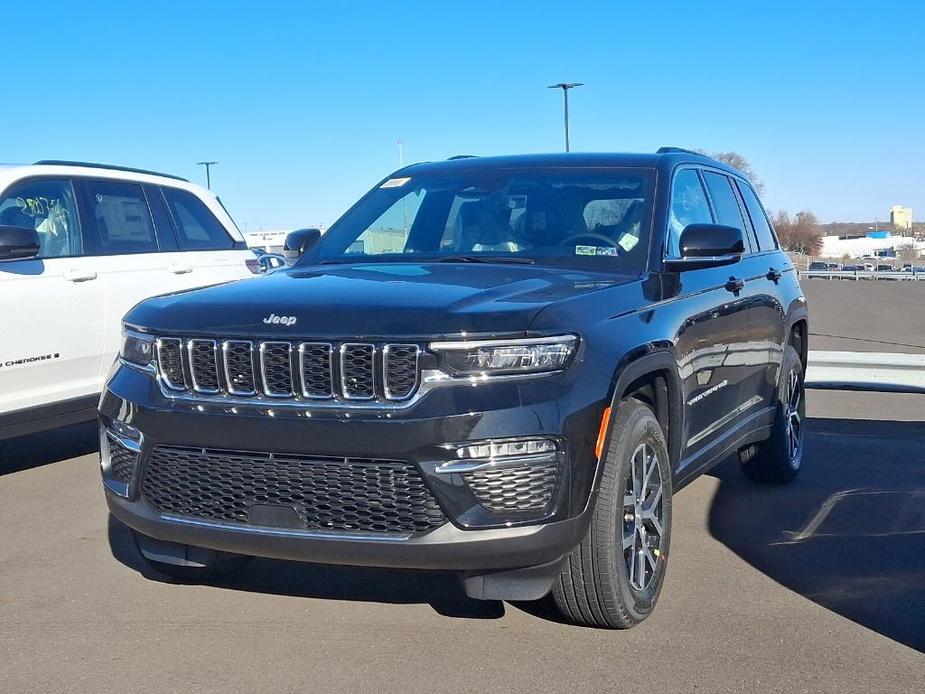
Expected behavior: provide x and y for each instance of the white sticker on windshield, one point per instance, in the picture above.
(595, 250)
(395, 182)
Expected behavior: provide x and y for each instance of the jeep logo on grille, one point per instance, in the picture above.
(273, 319)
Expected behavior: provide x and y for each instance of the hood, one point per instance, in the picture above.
(371, 301)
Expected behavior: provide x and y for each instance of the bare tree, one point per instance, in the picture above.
(800, 234)
(740, 163)
(908, 253)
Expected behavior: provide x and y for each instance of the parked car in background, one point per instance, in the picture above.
(883, 267)
(80, 244)
(500, 367)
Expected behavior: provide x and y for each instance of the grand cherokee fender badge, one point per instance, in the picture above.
(273, 319)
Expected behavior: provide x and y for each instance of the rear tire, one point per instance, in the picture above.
(185, 563)
(613, 577)
(779, 459)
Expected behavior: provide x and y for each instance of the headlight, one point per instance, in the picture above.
(500, 357)
(137, 348)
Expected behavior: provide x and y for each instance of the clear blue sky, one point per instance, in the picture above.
(302, 103)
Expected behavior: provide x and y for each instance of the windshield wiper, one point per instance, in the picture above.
(486, 259)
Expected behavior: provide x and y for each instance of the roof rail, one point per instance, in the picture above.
(678, 150)
(462, 156)
(108, 167)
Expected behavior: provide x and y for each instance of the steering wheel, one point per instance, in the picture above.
(590, 236)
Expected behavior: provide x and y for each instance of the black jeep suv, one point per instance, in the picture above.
(502, 367)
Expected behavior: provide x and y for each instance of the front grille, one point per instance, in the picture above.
(121, 462)
(347, 494)
(524, 488)
(350, 371)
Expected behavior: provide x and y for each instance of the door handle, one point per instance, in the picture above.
(180, 269)
(774, 275)
(79, 275)
(734, 284)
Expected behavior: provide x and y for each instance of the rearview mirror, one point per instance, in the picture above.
(18, 242)
(299, 241)
(707, 245)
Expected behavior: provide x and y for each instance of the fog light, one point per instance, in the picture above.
(506, 449)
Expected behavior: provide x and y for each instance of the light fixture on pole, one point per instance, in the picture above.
(565, 86)
(208, 165)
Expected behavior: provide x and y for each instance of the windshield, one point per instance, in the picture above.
(587, 217)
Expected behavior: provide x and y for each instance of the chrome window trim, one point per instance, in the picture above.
(385, 369)
(305, 393)
(162, 377)
(229, 382)
(372, 368)
(263, 369)
(190, 345)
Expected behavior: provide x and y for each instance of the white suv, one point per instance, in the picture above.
(80, 244)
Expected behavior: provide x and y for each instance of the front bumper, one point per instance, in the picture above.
(472, 540)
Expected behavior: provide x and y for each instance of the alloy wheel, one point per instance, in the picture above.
(794, 419)
(643, 515)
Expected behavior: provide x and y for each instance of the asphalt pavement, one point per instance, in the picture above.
(816, 587)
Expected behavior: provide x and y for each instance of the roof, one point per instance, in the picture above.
(666, 156)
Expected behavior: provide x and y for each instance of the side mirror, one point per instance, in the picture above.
(18, 242)
(299, 241)
(707, 245)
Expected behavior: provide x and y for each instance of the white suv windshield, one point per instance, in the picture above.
(590, 217)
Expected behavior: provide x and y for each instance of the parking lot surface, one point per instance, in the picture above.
(817, 587)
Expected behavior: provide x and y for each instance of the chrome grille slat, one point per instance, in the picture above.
(170, 362)
(298, 371)
(316, 367)
(203, 362)
(357, 370)
(399, 370)
(240, 378)
(276, 369)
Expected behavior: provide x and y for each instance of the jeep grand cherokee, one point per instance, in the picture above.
(502, 367)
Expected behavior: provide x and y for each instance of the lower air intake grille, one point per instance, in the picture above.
(526, 488)
(121, 462)
(352, 494)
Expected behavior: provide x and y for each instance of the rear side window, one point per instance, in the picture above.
(688, 206)
(119, 218)
(46, 205)
(724, 200)
(763, 232)
(197, 228)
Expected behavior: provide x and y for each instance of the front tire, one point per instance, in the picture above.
(779, 459)
(613, 577)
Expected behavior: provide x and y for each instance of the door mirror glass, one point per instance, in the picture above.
(707, 245)
(299, 241)
(18, 242)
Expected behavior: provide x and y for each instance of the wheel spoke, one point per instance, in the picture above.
(641, 567)
(629, 500)
(629, 539)
(647, 553)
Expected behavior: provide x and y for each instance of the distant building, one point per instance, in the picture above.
(901, 217)
(872, 244)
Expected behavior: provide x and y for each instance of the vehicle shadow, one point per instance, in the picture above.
(442, 591)
(849, 534)
(46, 447)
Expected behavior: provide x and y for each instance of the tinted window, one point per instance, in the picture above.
(48, 207)
(766, 240)
(119, 217)
(688, 206)
(724, 200)
(197, 227)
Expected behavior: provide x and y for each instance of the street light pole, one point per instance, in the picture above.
(208, 165)
(565, 86)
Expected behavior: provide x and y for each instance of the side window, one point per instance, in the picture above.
(197, 228)
(688, 206)
(766, 240)
(725, 202)
(46, 205)
(119, 218)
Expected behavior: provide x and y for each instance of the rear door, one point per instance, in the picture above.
(120, 232)
(52, 308)
(206, 253)
(710, 342)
